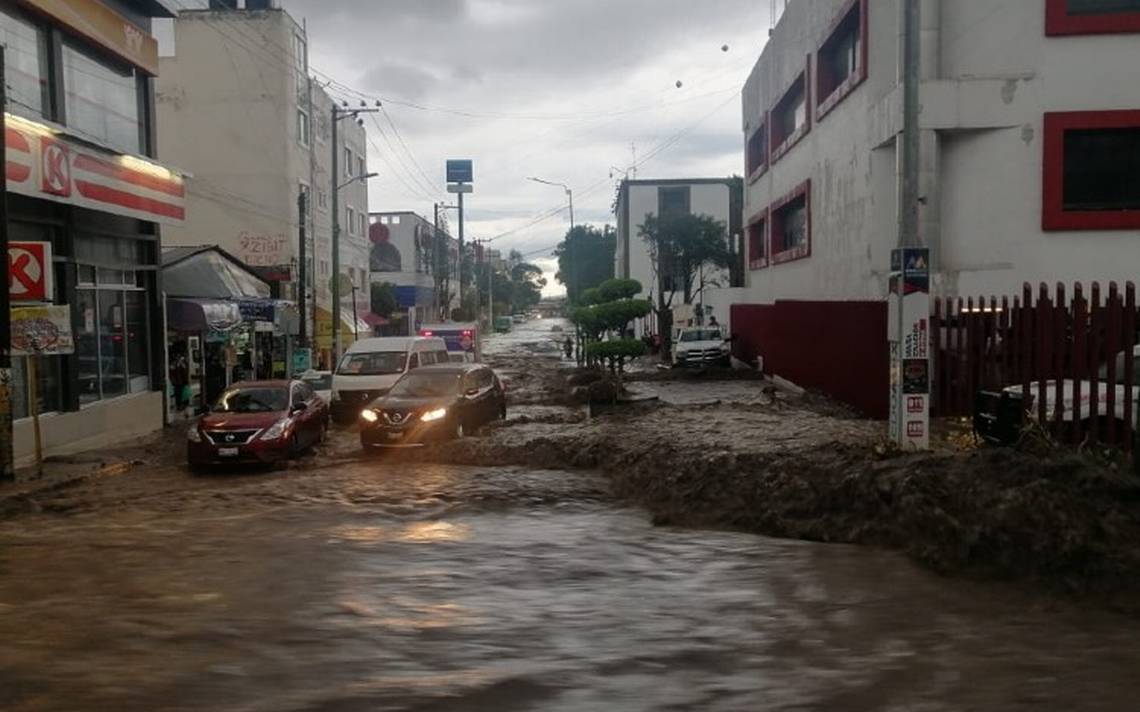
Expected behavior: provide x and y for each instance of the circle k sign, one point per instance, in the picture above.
(29, 271)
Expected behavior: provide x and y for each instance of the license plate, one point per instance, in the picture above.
(395, 436)
(228, 452)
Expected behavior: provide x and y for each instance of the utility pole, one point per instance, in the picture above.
(302, 268)
(459, 265)
(570, 250)
(7, 466)
(911, 137)
(338, 114)
(436, 279)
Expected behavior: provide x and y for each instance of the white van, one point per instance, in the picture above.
(371, 367)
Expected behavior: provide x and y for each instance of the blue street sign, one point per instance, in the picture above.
(460, 171)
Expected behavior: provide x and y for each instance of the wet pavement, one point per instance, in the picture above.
(383, 585)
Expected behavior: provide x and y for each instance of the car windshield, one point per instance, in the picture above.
(319, 382)
(253, 400)
(379, 363)
(701, 335)
(426, 385)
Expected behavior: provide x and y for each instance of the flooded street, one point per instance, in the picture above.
(384, 585)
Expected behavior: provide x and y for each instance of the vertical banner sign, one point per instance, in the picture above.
(909, 335)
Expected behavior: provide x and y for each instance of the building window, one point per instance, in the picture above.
(303, 136)
(758, 241)
(363, 219)
(361, 169)
(350, 214)
(1091, 17)
(791, 226)
(102, 99)
(322, 200)
(842, 60)
(112, 336)
(25, 59)
(1088, 182)
(674, 202)
(791, 118)
(348, 162)
(758, 150)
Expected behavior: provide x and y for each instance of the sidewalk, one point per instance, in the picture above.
(61, 472)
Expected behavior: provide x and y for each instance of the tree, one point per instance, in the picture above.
(585, 258)
(383, 299)
(527, 282)
(678, 247)
(614, 306)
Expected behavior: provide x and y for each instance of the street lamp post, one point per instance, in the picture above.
(340, 113)
(569, 242)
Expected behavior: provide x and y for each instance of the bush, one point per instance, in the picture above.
(614, 289)
(616, 353)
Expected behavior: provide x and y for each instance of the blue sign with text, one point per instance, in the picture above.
(460, 171)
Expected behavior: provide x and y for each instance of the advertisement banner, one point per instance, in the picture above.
(42, 331)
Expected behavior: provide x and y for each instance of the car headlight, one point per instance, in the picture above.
(193, 435)
(275, 431)
(434, 415)
(369, 415)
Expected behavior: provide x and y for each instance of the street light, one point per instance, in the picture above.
(356, 179)
(569, 243)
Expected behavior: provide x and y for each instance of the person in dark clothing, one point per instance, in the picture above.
(713, 322)
(568, 347)
(179, 377)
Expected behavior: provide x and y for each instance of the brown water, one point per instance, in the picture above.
(380, 586)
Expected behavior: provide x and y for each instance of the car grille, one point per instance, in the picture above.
(398, 417)
(231, 437)
(358, 399)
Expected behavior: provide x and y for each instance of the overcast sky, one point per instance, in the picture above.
(562, 90)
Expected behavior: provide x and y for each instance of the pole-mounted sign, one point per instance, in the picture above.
(460, 171)
(909, 334)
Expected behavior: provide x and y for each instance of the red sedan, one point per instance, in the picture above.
(258, 422)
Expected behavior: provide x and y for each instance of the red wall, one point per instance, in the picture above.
(837, 348)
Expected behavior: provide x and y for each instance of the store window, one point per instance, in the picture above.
(1092, 17)
(1089, 181)
(102, 99)
(791, 226)
(112, 336)
(25, 65)
(842, 59)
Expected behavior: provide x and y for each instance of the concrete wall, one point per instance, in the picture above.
(101, 424)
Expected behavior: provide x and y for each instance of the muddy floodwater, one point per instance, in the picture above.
(382, 585)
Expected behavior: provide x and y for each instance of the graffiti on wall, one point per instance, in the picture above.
(262, 249)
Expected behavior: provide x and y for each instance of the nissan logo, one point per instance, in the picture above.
(230, 438)
(397, 417)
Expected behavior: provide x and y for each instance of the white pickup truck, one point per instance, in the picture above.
(700, 346)
(1084, 410)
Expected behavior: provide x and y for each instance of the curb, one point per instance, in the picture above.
(47, 484)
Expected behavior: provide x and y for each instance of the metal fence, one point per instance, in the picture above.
(1072, 360)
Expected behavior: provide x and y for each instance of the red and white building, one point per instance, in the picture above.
(1030, 117)
(84, 186)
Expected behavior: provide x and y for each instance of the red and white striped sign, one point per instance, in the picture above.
(44, 163)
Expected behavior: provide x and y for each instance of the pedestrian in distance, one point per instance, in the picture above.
(568, 347)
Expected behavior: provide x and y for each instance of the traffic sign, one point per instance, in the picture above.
(460, 171)
(460, 188)
(30, 272)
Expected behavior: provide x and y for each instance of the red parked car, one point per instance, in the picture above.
(258, 422)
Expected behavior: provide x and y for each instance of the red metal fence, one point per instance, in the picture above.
(1073, 358)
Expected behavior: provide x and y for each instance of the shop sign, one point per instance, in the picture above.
(105, 27)
(42, 331)
(909, 336)
(30, 272)
(302, 360)
(42, 162)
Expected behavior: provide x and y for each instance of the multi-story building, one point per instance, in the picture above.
(84, 183)
(245, 118)
(1027, 109)
(638, 199)
(403, 254)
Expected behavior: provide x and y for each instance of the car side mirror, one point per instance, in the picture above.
(299, 408)
(471, 392)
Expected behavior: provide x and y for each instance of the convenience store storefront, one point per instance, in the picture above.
(79, 131)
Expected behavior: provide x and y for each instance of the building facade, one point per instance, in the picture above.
(1019, 177)
(83, 181)
(403, 254)
(639, 199)
(246, 119)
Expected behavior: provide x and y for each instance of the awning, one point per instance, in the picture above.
(202, 315)
(373, 320)
(348, 328)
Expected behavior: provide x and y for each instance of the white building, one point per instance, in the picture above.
(1005, 94)
(243, 116)
(1026, 108)
(402, 255)
(639, 199)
